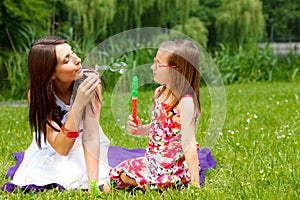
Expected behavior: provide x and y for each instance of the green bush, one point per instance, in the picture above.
(236, 64)
(252, 63)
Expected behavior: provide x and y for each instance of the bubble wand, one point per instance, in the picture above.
(134, 96)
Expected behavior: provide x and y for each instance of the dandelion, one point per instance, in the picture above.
(278, 137)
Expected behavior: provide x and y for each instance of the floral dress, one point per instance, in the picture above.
(163, 164)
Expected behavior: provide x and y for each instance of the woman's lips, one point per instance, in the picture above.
(79, 70)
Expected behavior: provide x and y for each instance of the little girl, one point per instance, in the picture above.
(171, 158)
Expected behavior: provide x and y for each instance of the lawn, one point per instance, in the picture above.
(257, 151)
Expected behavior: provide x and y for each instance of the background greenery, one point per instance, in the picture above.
(229, 29)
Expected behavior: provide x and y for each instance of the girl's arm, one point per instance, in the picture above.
(189, 144)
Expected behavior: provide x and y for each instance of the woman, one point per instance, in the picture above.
(65, 103)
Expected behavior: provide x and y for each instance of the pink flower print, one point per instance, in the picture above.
(166, 165)
(135, 165)
(170, 153)
(161, 117)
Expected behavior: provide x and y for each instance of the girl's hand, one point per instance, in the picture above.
(132, 127)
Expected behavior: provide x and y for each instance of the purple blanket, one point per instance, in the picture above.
(115, 156)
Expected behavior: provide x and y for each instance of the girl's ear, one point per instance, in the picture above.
(53, 77)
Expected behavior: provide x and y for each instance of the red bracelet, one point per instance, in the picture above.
(68, 133)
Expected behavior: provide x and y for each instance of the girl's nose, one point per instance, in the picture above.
(153, 66)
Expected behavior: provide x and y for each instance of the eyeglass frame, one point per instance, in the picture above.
(158, 65)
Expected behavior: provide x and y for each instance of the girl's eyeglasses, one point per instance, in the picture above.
(158, 65)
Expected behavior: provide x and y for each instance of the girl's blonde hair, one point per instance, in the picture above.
(185, 79)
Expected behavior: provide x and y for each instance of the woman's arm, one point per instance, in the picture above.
(55, 138)
(85, 92)
(189, 144)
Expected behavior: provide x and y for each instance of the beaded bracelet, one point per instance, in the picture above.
(68, 133)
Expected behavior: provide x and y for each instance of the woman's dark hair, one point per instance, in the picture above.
(42, 62)
(41, 66)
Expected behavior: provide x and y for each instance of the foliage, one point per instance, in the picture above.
(17, 16)
(282, 20)
(195, 29)
(239, 21)
(89, 17)
(248, 63)
(18, 77)
(252, 63)
(210, 22)
(257, 153)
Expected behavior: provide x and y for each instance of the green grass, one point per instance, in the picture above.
(257, 152)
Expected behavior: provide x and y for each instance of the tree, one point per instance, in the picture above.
(87, 19)
(19, 19)
(240, 21)
(195, 29)
(206, 11)
(282, 19)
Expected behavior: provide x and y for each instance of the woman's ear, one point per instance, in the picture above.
(53, 77)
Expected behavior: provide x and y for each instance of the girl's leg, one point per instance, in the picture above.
(128, 180)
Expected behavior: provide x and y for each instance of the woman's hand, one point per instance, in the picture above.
(86, 90)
